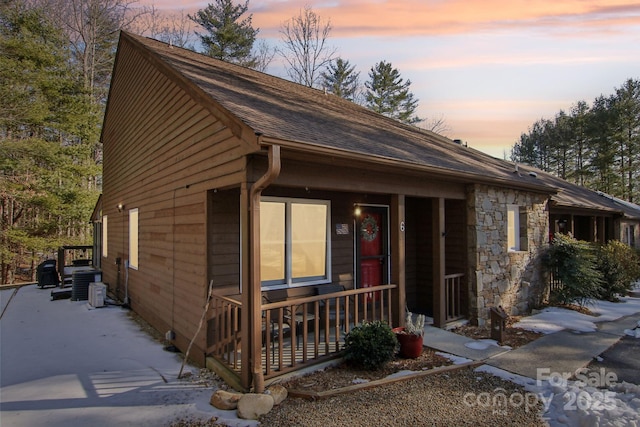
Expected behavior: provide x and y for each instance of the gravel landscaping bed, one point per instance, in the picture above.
(343, 375)
(455, 398)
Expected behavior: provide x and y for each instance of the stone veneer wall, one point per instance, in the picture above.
(498, 277)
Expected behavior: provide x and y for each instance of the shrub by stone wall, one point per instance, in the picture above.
(497, 276)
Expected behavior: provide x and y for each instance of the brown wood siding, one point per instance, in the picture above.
(419, 255)
(223, 239)
(455, 241)
(163, 151)
(356, 178)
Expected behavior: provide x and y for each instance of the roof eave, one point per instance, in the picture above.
(440, 172)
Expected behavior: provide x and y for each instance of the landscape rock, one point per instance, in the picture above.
(251, 405)
(278, 392)
(225, 400)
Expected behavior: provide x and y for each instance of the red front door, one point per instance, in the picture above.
(372, 248)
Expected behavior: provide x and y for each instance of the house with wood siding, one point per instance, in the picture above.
(290, 214)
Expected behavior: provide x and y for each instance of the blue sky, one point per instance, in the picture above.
(490, 68)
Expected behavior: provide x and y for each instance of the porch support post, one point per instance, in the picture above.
(245, 319)
(398, 271)
(254, 294)
(439, 296)
(600, 229)
(570, 227)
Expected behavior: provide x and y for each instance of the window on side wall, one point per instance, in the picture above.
(517, 239)
(133, 239)
(294, 242)
(105, 251)
(629, 235)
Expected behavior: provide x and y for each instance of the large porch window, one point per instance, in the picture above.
(294, 241)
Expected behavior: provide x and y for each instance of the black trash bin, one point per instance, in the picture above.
(498, 323)
(46, 274)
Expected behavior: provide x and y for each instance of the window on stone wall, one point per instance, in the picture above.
(517, 228)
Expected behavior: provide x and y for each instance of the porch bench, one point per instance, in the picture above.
(326, 290)
(293, 315)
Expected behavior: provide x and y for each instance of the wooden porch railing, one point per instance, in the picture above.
(555, 284)
(453, 285)
(297, 332)
(225, 331)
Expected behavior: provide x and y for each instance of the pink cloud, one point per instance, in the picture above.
(419, 17)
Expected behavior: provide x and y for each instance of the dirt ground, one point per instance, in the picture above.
(514, 337)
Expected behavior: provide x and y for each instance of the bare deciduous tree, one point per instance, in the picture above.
(305, 46)
(263, 54)
(92, 27)
(436, 124)
(173, 27)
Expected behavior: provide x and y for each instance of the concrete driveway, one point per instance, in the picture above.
(63, 363)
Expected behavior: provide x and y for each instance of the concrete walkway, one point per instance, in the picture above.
(459, 345)
(562, 352)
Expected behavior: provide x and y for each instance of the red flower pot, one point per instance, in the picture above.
(410, 344)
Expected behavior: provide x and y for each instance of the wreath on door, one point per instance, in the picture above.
(369, 228)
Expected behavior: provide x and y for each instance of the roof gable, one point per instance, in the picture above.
(310, 119)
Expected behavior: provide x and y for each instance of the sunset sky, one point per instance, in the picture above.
(490, 68)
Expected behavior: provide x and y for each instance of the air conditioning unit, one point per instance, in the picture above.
(97, 294)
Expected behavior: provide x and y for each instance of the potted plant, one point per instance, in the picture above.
(410, 336)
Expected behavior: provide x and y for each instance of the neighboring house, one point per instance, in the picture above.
(307, 213)
(589, 215)
(627, 228)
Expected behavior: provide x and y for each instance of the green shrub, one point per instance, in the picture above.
(573, 262)
(370, 345)
(620, 268)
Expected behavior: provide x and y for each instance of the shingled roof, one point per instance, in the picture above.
(311, 119)
(574, 196)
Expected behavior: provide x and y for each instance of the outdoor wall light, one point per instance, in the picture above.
(120, 207)
(356, 210)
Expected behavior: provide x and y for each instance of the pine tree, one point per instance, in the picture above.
(48, 128)
(227, 38)
(626, 105)
(388, 94)
(597, 147)
(604, 151)
(341, 79)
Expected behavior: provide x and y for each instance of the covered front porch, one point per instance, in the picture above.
(296, 263)
(294, 333)
(590, 226)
